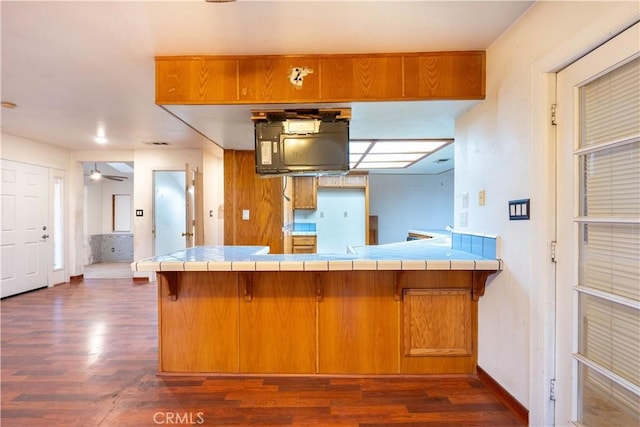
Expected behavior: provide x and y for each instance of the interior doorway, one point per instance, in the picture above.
(598, 278)
(108, 225)
(169, 211)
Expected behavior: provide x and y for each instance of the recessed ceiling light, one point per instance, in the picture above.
(100, 139)
(8, 104)
(382, 165)
(392, 153)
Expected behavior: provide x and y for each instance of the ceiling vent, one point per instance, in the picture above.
(155, 143)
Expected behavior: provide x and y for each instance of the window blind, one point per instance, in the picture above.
(608, 354)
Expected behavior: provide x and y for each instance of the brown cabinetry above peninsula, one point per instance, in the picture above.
(320, 78)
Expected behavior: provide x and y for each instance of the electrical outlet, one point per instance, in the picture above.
(245, 214)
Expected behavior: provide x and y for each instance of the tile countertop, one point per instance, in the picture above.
(427, 254)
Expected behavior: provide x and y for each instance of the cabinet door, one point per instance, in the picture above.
(305, 192)
(330, 181)
(361, 77)
(358, 181)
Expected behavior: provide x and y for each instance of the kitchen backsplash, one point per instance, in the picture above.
(304, 226)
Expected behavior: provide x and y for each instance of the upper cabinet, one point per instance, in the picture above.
(344, 181)
(320, 78)
(305, 192)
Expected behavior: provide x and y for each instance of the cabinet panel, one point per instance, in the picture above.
(199, 330)
(361, 77)
(305, 192)
(362, 306)
(349, 180)
(330, 181)
(450, 76)
(437, 322)
(273, 79)
(173, 81)
(215, 81)
(357, 181)
(278, 323)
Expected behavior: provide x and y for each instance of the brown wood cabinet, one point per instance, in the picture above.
(326, 322)
(344, 181)
(305, 244)
(325, 78)
(305, 192)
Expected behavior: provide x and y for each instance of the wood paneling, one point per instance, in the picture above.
(278, 324)
(207, 307)
(262, 197)
(361, 77)
(267, 79)
(445, 76)
(213, 77)
(358, 323)
(331, 78)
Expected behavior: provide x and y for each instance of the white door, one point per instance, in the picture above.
(25, 233)
(169, 211)
(598, 233)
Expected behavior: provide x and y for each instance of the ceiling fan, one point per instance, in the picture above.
(96, 175)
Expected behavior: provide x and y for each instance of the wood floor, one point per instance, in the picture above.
(85, 354)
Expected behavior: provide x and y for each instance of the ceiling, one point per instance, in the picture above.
(76, 69)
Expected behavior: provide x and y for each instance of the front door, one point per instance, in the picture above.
(25, 232)
(598, 233)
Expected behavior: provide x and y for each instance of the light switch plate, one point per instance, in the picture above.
(245, 214)
(519, 209)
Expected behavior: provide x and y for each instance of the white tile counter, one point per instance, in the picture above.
(428, 254)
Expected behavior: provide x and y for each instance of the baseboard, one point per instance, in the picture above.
(504, 396)
(76, 279)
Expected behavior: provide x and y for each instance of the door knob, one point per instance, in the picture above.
(45, 236)
(187, 234)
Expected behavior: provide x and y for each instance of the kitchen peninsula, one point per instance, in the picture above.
(402, 308)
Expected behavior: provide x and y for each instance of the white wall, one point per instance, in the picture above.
(339, 219)
(502, 148)
(99, 203)
(404, 202)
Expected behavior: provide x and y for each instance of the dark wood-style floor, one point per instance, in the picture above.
(85, 354)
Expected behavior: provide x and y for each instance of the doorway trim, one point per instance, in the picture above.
(543, 311)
